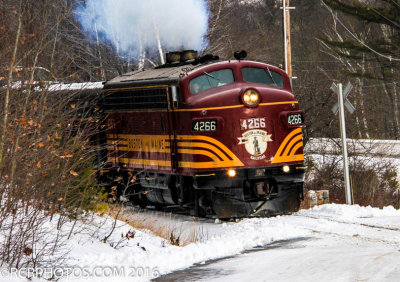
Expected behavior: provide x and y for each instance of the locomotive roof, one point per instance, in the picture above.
(166, 75)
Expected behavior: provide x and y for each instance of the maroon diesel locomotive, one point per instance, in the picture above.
(216, 138)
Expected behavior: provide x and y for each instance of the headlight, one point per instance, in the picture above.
(286, 169)
(231, 172)
(251, 98)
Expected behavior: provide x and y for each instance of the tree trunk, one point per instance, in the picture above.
(102, 72)
(396, 106)
(157, 34)
(392, 107)
(361, 99)
(388, 32)
(9, 79)
(23, 112)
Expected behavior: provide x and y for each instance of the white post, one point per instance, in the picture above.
(344, 145)
(284, 35)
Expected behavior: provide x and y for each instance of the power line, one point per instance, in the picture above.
(341, 67)
(390, 58)
(381, 84)
(368, 86)
(389, 20)
(335, 61)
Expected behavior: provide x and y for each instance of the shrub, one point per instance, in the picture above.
(374, 181)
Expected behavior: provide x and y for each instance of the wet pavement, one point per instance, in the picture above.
(215, 269)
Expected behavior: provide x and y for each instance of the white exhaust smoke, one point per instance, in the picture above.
(134, 26)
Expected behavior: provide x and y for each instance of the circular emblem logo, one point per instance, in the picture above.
(255, 141)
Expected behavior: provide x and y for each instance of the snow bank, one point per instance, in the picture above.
(140, 255)
(350, 212)
(153, 253)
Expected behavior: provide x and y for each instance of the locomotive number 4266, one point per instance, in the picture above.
(294, 119)
(252, 123)
(204, 125)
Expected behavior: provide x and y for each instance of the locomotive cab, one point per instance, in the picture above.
(247, 111)
(221, 138)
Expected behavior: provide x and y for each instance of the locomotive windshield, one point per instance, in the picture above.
(263, 76)
(211, 80)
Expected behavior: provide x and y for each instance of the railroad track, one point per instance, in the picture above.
(351, 223)
(362, 231)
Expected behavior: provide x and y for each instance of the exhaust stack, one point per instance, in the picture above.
(180, 56)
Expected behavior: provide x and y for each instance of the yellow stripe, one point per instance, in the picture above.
(295, 148)
(199, 152)
(213, 141)
(217, 149)
(194, 165)
(181, 164)
(201, 175)
(290, 145)
(218, 164)
(212, 144)
(101, 171)
(225, 163)
(123, 146)
(278, 103)
(291, 134)
(147, 150)
(290, 151)
(234, 106)
(206, 109)
(204, 146)
(137, 87)
(115, 142)
(145, 143)
(145, 162)
(301, 167)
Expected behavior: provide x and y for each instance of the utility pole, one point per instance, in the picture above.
(286, 36)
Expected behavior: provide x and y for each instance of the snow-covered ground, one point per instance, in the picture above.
(330, 242)
(364, 147)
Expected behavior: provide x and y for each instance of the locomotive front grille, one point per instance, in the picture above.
(134, 99)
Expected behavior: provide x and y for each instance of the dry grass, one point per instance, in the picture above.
(161, 225)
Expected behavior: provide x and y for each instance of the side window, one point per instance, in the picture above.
(211, 80)
(263, 76)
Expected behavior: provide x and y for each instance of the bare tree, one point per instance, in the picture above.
(9, 80)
